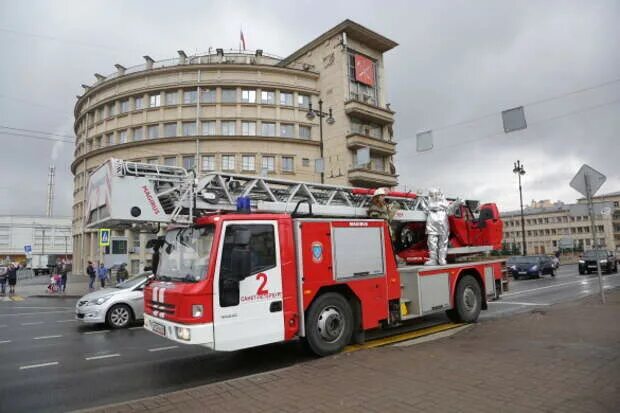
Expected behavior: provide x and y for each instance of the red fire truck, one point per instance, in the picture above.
(247, 261)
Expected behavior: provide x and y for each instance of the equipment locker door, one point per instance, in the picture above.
(248, 311)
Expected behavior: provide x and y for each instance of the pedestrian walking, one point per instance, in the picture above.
(63, 276)
(12, 276)
(90, 270)
(3, 279)
(122, 274)
(102, 274)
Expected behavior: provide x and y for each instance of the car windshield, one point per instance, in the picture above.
(185, 253)
(593, 254)
(522, 260)
(132, 282)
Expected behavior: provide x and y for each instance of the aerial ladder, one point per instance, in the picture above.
(123, 194)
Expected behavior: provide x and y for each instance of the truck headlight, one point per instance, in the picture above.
(582, 262)
(197, 310)
(183, 333)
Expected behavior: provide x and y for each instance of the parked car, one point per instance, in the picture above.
(530, 266)
(608, 260)
(117, 306)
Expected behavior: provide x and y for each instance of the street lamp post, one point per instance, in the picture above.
(520, 170)
(330, 121)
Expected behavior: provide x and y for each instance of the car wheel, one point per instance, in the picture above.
(538, 274)
(329, 324)
(119, 316)
(581, 272)
(467, 301)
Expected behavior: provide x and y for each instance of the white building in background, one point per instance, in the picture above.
(45, 236)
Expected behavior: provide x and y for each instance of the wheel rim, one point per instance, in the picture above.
(469, 299)
(331, 324)
(119, 316)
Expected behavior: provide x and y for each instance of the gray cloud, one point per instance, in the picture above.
(456, 61)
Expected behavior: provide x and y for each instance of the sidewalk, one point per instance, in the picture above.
(564, 358)
(77, 286)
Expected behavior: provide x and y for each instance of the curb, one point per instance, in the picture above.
(55, 296)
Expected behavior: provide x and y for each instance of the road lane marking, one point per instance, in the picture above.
(47, 337)
(5, 341)
(34, 323)
(45, 308)
(34, 366)
(97, 332)
(65, 321)
(588, 281)
(516, 303)
(136, 328)
(35, 313)
(104, 356)
(17, 298)
(162, 348)
(401, 337)
(3, 325)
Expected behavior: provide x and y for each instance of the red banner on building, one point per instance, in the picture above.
(364, 70)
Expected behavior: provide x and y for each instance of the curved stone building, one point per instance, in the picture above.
(239, 112)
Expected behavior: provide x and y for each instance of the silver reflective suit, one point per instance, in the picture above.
(437, 226)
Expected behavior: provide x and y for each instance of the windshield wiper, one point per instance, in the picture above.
(163, 278)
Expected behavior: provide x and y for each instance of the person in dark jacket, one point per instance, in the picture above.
(3, 278)
(12, 277)
(90, 270)
(64, 271)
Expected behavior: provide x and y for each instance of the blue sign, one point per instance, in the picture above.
(28, 249)
(104, 237)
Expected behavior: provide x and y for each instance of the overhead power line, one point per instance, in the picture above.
(38, 131)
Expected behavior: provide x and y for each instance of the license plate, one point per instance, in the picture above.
(591, 266)
(522, 272)
(158, 329)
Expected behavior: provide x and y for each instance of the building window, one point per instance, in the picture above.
(303, 101)
(305, 162)
(189, 128)
(268, 129)
(112, 109)
(286, 130)
(138, 134)
(247, 163)
(152, 131)
(137, 103)
(228, 162)
(305, 132)
(208, 128)
(367, 129)
(267, 97)
(229, 95)
(152, 161)
(122, 136)
(207, 95)
(378, 164)
(189, 97)
(363, 86)
(269, 164)
(228, 127)
(97, 143)
(287, 164)
(110, 139)
(188, 162)
(171, 98)
(208, 163)
(248, 128)
(286, 99)
(170, 161)
(170, 129)
(154, 101)
(124, 106)
(100, 115)
(248, 96)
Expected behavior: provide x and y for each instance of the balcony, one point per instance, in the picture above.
(369, 112)
(366, 177)
(376, 145)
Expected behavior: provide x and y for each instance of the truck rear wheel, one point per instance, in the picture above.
(329, 324)
(467, 301)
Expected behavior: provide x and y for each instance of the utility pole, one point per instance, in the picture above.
(596, 245)
(330, 121)
(520, 170)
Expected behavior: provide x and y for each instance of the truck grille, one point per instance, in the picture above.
(157, 307)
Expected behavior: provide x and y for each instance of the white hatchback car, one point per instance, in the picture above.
(117, 306)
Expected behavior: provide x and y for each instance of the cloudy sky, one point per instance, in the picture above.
(457, 66)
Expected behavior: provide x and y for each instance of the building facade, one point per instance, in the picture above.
(44, 235)
(241, 112)
(550, 227)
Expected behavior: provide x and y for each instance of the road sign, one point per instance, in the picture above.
(104, 237)
(27, 249)
(514, 119)
(595, 178)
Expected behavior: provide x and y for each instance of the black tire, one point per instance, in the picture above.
(515, 277)
(538, 274)
(581, 272)
(467, 301)
(552, 272)
(119, 316)
(329, 324)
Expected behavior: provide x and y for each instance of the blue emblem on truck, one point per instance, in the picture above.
(317, 252)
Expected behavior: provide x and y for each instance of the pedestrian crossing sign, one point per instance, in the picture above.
(104, 237)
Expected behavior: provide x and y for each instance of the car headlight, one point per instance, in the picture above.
(582, 262)
(183, 333)
(534, 268)
(197, 310)
(513, 267)
(603, 261)
(100, 300)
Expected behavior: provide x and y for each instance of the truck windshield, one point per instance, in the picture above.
(185, 254)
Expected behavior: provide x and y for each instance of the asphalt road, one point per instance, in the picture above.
(49, 362)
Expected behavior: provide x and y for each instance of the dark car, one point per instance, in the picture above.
(587, 262)
(530, 266)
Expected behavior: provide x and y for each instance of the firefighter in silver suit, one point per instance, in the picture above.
(437, 226)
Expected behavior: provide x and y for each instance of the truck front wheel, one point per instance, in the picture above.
(329, 324)
(467, 301)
